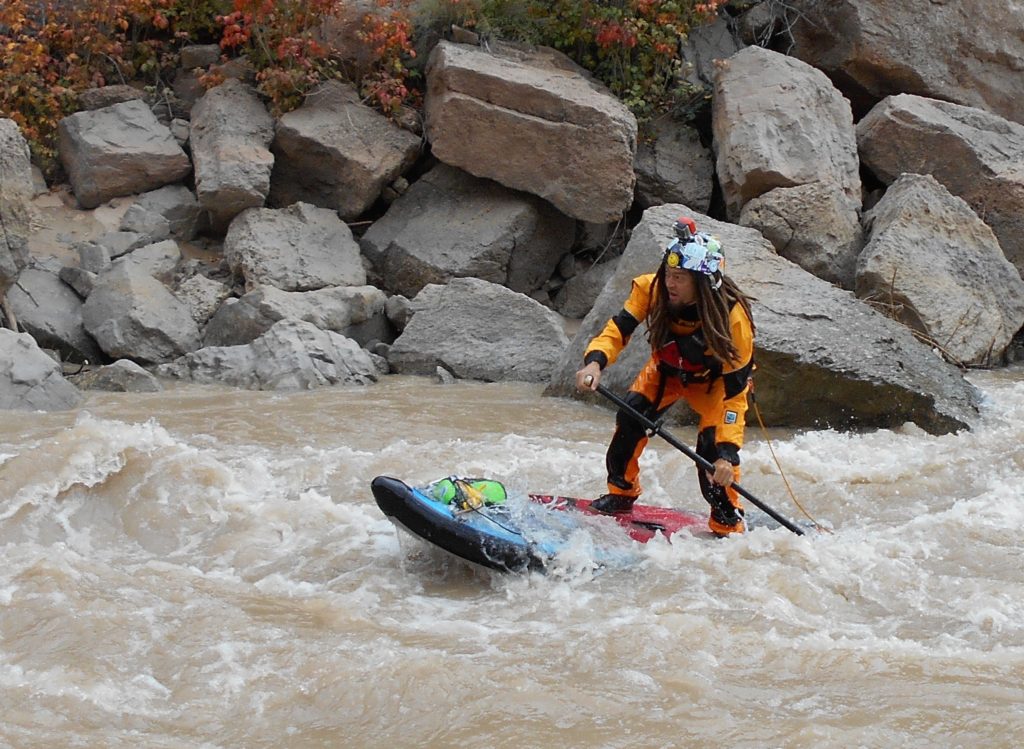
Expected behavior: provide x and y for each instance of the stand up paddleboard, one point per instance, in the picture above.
(474, 520)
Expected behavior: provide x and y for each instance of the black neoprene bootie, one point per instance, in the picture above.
(725, 520)
(613, 504)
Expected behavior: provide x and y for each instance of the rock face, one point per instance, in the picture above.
(975, 155)
(532, 123)
(299, 248)
(939, 270)
(123, 376)
(29, 379)
(675, 167)
(292, 355)
(479, 330)
(118, 150)
(15, 193)
(968, 52)
(778, 122)
(335, 152)
(51, 312)
(132, 315)
(815, 225)
(345, 310)
(450, 224)
(230, 135)
(824, 358)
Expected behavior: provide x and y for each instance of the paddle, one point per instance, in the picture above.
(656, 428)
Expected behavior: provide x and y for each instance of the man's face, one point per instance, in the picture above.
(681, 286)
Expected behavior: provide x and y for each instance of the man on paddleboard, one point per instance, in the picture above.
(701, 333)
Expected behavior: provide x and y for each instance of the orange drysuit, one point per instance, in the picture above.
(684, 368)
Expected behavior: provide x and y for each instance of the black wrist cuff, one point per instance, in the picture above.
(596, 356)
(729, 451)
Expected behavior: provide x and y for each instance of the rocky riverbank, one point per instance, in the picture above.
(879, 230)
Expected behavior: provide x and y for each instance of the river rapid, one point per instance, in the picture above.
(205, 567)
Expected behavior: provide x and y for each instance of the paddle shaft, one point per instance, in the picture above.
(656, 428)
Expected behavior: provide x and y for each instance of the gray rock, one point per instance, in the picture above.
(123, 376)
(203, 296)
(132, 315)
(292, 355)
(16, 190)
(30, 380)
(479, 330)
(975, 155)
(199, 55)
(533, 122)
(82, 281)
(450, 224)
(178, 205)
(148, 223)
(51, 312)
(116, 243)
(345, 310)
(335, 152)
(93, 257)
(968, 52)
(778, 122)
(815, 225)
(956, 288)
(230, 136)
(118, 150)
(399, 311)
(105, 96)
(299, 248)
(703, 46)
(158, 260)
(576, 298)
(674, 167)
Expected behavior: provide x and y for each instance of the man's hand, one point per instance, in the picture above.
(723, 474)
(588, 377)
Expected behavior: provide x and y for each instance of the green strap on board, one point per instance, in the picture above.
(468, 491)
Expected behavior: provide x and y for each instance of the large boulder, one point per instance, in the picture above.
(955, 287)
(346, 310)
(16, 192)
(778, 122)
(824, 358)
(815, 225)
(118, 150)
(123, 376)
(533, 122)
(674, 167)
(968, 52)
(481, 331)
(230, 135)
(202, 295)
(335, 152)
(51, 312)
(577, 296)
(451, 224)
(174, 203)
(133, 316)
(29, 379)
(299, 248)
(292, 355)
(975, 155)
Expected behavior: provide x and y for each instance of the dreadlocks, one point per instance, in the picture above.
(713, 306)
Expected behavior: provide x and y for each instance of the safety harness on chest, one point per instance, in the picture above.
(685, 356)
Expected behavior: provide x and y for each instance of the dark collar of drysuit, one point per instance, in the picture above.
(687, 314)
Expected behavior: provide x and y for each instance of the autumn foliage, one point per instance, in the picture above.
(54, 49)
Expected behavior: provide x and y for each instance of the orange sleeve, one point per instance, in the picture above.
(606, 346)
